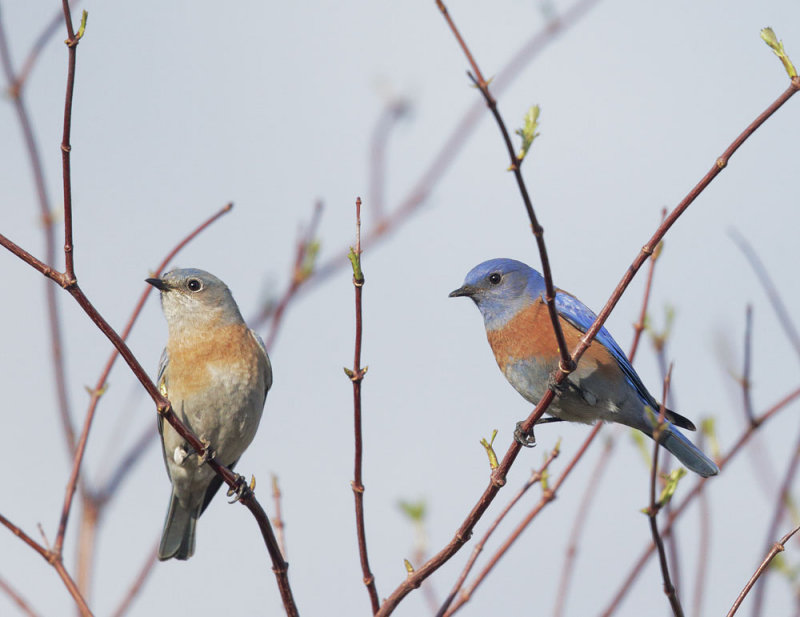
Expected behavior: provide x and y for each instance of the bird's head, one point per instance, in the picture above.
(501, 288)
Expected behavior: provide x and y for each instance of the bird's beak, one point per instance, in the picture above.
(464, 290)
(158, 284)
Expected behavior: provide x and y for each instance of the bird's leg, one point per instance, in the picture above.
(208, 453)
(528, 439)
(523, 438)
(241, 489)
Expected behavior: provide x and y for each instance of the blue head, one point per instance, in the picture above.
(501, 288)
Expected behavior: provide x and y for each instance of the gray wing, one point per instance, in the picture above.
(268, 364)
(161, 383)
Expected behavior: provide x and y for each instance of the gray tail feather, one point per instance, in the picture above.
(177, 539)
(687, 453)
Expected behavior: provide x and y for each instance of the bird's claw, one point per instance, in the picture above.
(241, 489)
(208, 453)
(523, 438)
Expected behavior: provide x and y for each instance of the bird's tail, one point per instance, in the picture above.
(177, 539)
(686, 452)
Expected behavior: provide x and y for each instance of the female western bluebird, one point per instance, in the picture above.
(510, 296)
(216, 373)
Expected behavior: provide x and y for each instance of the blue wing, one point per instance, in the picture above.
(580, 316)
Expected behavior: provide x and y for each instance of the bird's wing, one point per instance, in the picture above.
(580, 316)
(161, 382)
(268, 365)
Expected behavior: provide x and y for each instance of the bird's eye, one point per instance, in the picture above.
(194, 285)
(495, 278)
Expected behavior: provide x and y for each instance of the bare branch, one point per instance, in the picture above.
(778, 547)
(356, 376)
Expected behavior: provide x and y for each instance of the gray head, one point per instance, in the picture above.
(501, 288)
(195, 298)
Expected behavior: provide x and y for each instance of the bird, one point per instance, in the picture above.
(215, 371)
(603, 387)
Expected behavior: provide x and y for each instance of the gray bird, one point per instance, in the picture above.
(216, 373)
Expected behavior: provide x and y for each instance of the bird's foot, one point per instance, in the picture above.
(523, 438)
(241, 489)
(208, 453)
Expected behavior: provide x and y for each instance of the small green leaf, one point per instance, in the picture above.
(415, 510)
(487, 445)
(708, 428)
(528, 131)
(771, 39)
(671, 485)
(355, 261)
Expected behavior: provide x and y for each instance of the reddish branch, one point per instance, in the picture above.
(356, 376)
(654, 507)
(21, 603)
(277, 520)
(301, 271)
(781, 503)
(778, 547)
(535, 478)
(547, 497)
(583, 511)
(138, 582)
(738, 446)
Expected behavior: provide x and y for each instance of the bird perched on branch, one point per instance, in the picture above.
(604, 386)
(216, 373)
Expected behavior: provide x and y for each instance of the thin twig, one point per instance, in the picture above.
(703, 548)
(778, 547)
(377, 156)
(302, 270)
(54, 560)
(566, 363)
(138, 582)
(66, 148)
(652, 510)
(535, 478)
(547, 496)
(638, 327)
(738, 446)
(784, 317)
(356, 376)
(577, 526)
(782, 501)
(277, 520)
(746, 383)
(21, 603)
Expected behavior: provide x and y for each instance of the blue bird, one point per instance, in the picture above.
(605, 387)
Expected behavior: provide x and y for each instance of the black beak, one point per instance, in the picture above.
(464, 290)
(158, 284)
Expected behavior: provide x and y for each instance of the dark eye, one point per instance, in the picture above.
(495, 278)
(194, 285)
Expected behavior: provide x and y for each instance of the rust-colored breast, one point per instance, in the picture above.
(191, 360)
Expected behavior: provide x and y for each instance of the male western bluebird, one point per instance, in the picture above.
(510, 296)
(216, 373)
